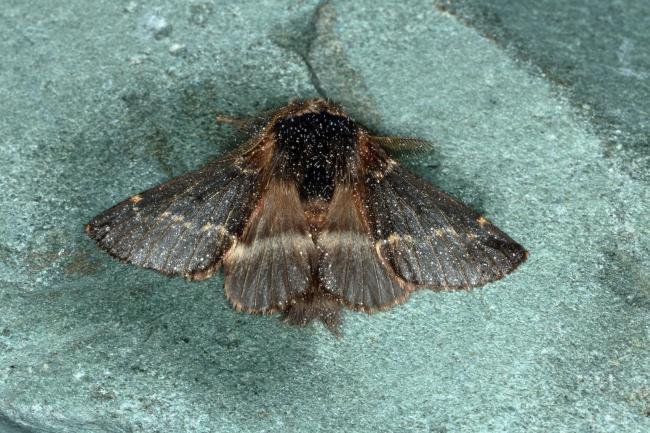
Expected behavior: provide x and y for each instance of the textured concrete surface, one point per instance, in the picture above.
(105, 100)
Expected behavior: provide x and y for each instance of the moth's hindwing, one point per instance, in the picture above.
(273, 261)
(349, 266)
(183, 226)
(429, 239)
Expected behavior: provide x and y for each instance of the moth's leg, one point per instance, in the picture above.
(402, 144)
(237, 122)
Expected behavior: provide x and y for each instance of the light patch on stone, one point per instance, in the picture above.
(481, 221)
(135, 199)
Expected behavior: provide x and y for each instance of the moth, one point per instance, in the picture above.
(311, 215)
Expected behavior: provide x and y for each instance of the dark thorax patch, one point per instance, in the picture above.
(315, 149)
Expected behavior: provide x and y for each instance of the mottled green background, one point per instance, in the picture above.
(539, 111)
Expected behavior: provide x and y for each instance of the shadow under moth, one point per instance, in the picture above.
(312, 214)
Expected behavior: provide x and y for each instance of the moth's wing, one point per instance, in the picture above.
(349, 266)
(429, 239)
(271, 264)
(183, 226)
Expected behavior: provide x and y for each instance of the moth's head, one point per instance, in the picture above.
(317, 105)
(315, 123)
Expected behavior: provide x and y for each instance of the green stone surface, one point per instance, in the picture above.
(101, 100)
(596, 51)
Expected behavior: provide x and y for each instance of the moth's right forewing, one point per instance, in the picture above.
(183, 226)
(430, 239)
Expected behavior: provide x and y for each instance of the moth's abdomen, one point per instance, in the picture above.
(315, 149)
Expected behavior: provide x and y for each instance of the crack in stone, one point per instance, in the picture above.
(346, 86)
(313, 76)
(301, 43)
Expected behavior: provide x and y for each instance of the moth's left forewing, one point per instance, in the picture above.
(429, 239)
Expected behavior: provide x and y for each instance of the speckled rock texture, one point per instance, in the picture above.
(101, 100)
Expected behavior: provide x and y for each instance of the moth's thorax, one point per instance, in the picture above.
(315, 149)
